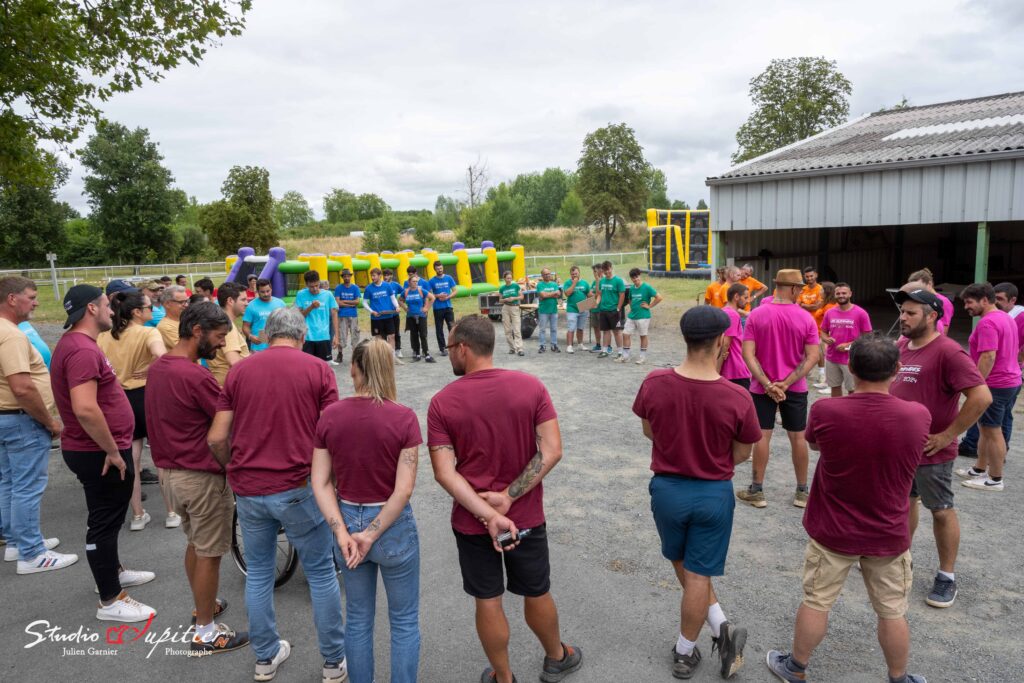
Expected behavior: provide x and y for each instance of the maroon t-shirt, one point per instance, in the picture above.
(870, 446)
(694, 423)
(490, 418)
(365, 438)
(76, 360)
(277, 396)
(181, 400)
(934, 376)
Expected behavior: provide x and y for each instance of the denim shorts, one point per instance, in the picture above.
(1002, 401)
(694, 521)
(577, 321)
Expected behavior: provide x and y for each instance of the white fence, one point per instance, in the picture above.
(584, 259)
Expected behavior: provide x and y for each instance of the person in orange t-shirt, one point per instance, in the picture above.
(711, 292)
(812, 296)
(755, 286)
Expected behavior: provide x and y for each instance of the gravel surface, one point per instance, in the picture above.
(618, 598)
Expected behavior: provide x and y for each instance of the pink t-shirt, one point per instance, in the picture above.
(181, 400)
(947, 313)
(844, 327)
(365, 439)
(997, 332)
(860, 498)
(715, 413)
(734, 367)
(934, 376)
(1019, 321)
(780, 332)
(490, 418)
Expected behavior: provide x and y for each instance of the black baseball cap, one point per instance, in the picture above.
(75, 301)
(921, 296)
(115, 286)
(704, 322)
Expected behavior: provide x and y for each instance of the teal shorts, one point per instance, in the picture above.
(694, 520)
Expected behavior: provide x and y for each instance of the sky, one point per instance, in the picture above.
(399, 98)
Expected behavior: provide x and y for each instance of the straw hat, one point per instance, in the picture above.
(789, 277)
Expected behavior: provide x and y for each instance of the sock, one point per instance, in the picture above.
(205, 633)
(949, 575)
(802, 487)
(901, 679)
(684, 646)
(754, 487)
(716, 617)
(975, 472)
(643, 352)
(625, 352)
(795, 666)
(619, 350)
(995, 479)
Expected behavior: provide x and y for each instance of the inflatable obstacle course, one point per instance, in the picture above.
(679, 243)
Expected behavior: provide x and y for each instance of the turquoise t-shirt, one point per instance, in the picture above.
(579, 293)
(610, 289)
(36, 341)
(643, 294)
(510, 290)
(256, 314)
(549, 305)
(318, 321)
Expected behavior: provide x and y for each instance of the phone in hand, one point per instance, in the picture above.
(505, 538)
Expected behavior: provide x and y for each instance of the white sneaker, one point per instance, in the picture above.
(267, 669)
(641, 360)
(621, 359)
(132, 577)
(11, 551)
(569, 349)
(398, 353)
(820, 385)
(981, 484)
(966, 473)
(825, 392)
(334, 362)
(139, 522)
(125, 609)
(46, 562)
(173, 520)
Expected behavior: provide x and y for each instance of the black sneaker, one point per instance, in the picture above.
(730, 648)
(488, 676)
(943, 592)
(444, 352)
(540, 350)
(961, 450)
(429, 359)
(511, 351)
(522, 353)
(148, 476)
(556, 669)
(684, 666)
(224, 640)
(555, 349)
(416, 358)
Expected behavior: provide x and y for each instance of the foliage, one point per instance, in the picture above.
(382, 234)
(539, 195)
(83, 244)
(793, 99)
(472, 220)
(370, 206)
(61, 58)
(340, 206)
(571, 212)
(292, 210)
(657, 190)
(446, 212)
(31, 219)
(227, 226)
(679, 205)
(130, 193)
(702, 205)
(247, 188)
(425, 227)
(193, 242)
(612, 177)
(501, 223)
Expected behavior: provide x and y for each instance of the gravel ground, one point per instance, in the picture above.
(617, 597)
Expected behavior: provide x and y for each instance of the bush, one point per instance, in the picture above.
(536, 244)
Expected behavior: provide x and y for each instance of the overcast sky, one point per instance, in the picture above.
(397, 98)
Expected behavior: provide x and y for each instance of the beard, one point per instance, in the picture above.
(914, 332)
(206, 350)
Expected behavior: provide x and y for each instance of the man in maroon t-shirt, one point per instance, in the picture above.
(493, 436)
(180, 405)
(691, 490)
(858, 507)
(935, 371)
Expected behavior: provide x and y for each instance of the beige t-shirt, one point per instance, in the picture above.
(169, 331)
(17, 355)
(129, 354)
(219, 366)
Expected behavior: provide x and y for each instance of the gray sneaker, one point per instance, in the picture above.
(684, 666)
(777, 661)
(730, 644)
(335, 672)
(943, 592)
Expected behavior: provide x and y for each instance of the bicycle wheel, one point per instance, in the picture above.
(286, 560)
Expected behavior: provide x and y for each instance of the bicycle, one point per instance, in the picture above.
(287, 557)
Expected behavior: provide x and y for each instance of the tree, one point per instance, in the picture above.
(83, 244)
(471, 223)
(501, 223)
(657, 190)
(382, 234)
(370, 206)
(612, 177)
(539, 195)
(446, 212)
(61, 58)
(227, 226)
(130, 193)
(340, 206)
(793, 99)
(248, 189)
(702, 205)
(571, 212)
(32, 220)
(679, 205)
(476, 183)
(425, 226)
(292, 210)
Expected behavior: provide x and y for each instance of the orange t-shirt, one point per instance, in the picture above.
(715, 294)
(811, 295)
(753, 284)
(819, 315)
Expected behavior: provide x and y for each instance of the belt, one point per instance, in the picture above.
(513, 305)
(19, 411)
(365, 505)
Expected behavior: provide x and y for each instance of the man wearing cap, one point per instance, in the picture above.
(96, 443)
(780, 346)
(691, 493)
(27, 425)
(935, 371)
(153, 289)
(347, 297)
(175, 300)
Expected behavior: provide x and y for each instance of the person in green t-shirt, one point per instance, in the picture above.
(612, 291)
(595, 319)
(642, 298)
(575, 291)
(511, 295)
(548, 294)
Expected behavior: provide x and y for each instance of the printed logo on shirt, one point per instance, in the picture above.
(909, 374)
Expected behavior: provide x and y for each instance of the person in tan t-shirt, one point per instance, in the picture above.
(233, 298)
(175, 300)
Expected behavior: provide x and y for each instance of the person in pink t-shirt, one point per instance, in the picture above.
(731, 364)
(839, 328)
(994, 347)
(780, 346)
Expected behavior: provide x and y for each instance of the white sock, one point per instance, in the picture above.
(949, 575)
(205, 633)
(684, 646)
(716, 617)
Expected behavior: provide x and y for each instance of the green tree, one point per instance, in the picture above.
(193, 242)
(570, 213)
(472, 220)
(382, 234)
(370, 206)
(248, 189)
(539, 195)
(702, 205)
(292, 210)
(679, 205)
(793, 99)
(446, 212)
(425, 226)
(612, 177)
(31, 218)
(227, 226)
(130, 193)
(83, 244)
(502, 220)
(340, 206)
(62, 58)
(657, 190)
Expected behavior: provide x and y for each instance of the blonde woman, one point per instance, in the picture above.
(369, 445)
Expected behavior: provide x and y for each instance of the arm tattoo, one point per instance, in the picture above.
(374, 525)
(439, 449)
(410, 456)
(333, 523)
(524, 480)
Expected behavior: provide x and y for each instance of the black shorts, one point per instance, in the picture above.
(793, 411)
(320, 349)
(137, 399)
(742, 381)
(383, 327)
(528, 567)
(607, 320)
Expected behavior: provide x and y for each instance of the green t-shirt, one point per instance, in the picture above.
(510, 290)
(549, 305)
(640, 295)
(578, 294)
(610, 289)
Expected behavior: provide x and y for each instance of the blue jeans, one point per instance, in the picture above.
(970, 439)
(546, 322)
(260, 517)
(396, 554)
(24, 458)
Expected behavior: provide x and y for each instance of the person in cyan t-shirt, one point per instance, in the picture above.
(321, 312)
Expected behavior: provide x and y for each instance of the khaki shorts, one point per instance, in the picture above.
(838, 375)
(206, 506)
(638, 325)
(887, 579)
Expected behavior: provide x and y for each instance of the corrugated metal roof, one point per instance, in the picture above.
(949, 131)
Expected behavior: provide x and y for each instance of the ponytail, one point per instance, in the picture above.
(376, 363)
(124, 304)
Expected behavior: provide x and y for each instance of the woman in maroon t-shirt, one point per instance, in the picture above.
(369, 445)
